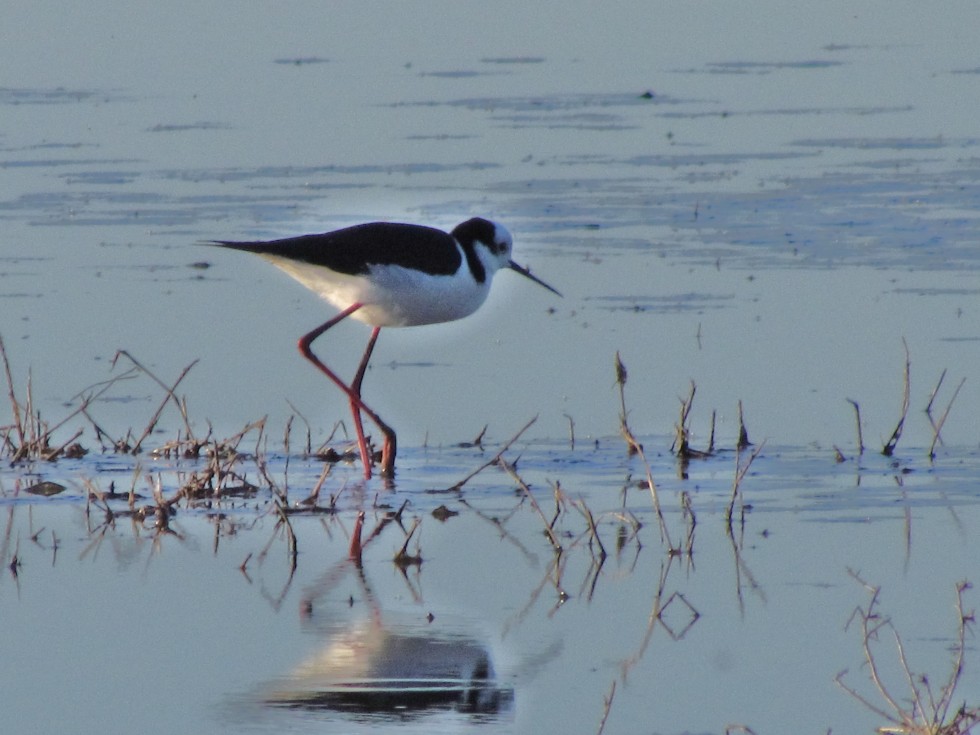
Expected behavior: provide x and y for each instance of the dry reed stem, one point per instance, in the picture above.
(582, 508)
(494, 460)
(681, 445)
(560, 501)
(682, 433)
(607, 701)
(285, 434)
(923, 711)
(475, 442)
(857, 421)
(740, 472)
(652, 486)
(52, 454)
(634, 447)
(935, 392)
(309, 429)
(938, 425)
(33, 434)
(314, 495)
(403, 558)
(18, 424)
(171, 396)
(548, 529)
(892, 442)
(743, 434)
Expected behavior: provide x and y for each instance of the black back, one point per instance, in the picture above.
(352, 250)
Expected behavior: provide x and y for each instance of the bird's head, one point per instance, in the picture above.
(493, 245)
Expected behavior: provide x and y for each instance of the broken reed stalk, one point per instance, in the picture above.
(593, 530)
(682, 435)
(743, 434)
(935, 391)
(11, 394)
(711, 434)
(476, 441)
(309, 429)
(52, 454)
(559, 496)
(313, 498)
(494, 460)
(740, 472)
(286, 433)
(938, 426)
(634, 447)
(681, 444)
(181, 406)
(922, 711)
(892, 442)
(857, 421)
(403, 558)
(32, 433)
(549, 531)
(87, 396)
(38, 448)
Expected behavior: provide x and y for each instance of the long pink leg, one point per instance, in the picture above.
(353, 393)
(355, 387)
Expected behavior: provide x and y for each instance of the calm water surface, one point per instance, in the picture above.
(112, 621)
(765, 202)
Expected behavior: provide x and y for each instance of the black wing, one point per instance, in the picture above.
(353, 250)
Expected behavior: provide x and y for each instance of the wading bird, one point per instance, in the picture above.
(391, 275)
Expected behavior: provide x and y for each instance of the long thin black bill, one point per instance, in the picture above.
(525, 272)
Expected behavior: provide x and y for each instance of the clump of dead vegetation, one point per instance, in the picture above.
(937, 423)
(685, 453)
(29, 437)
(923, 709)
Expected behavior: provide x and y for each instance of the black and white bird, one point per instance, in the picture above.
(390, 274)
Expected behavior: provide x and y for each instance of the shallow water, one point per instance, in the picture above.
(762, 201)
(121, 620)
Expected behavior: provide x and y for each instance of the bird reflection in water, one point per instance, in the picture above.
(371, 666)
